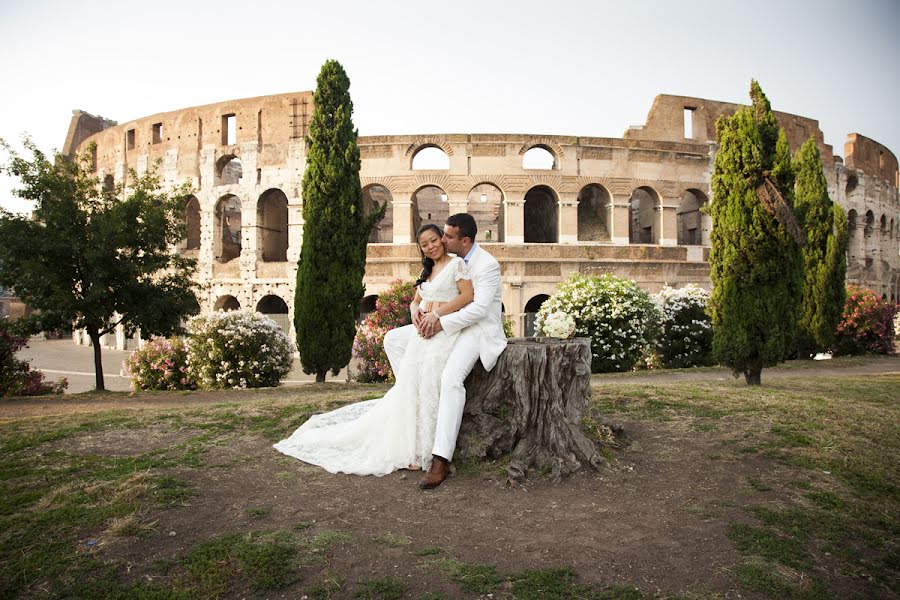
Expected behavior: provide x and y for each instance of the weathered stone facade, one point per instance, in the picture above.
(630, 206)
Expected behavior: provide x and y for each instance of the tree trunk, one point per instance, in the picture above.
(320, 376)
(753, 376)
(531, 407)
(94, 334)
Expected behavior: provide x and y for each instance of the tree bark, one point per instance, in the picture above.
(531, 407)
(753, 377)
(94, 334)
(320, 376)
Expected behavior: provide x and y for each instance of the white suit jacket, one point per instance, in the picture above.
(483, 313)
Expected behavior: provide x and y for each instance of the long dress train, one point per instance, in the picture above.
(377, 437)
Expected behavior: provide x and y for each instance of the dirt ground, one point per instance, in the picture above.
(656, 519)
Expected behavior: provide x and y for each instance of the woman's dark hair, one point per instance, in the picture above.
(427, 263)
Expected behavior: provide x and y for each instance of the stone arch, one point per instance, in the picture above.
(429, 205)
(870, 223)
(272, 226)
(531, 309)
(884, 224)
(541, 215)
(430, 157)
(691, 222)
(593, 212)
(540, 157)
(485, 203)
(227, 302)
(228, 170)
(227, 237)
(109, 183)
(191, 218)
(642, 211)
(366, 306)
(852, 234)
(547, 143)
(852, 182)
(375, 195)
(276, 309)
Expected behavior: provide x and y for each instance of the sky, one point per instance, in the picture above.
(589, 68)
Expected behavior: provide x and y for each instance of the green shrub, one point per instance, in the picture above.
(160, 365)
(238, 349)
(618, 316)
(867, 325)
(391, 311)
(16, 376)
(685, 338)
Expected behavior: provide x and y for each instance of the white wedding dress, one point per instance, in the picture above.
(377, 437)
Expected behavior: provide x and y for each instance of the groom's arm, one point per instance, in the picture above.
(486, 286)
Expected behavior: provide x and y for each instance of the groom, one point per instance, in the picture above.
(481, 336)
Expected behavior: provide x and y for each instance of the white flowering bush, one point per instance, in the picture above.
(686, 335)
(619, 317)
(558, 325)
(237, 349)
(160, 365)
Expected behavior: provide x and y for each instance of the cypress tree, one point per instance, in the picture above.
(754, 261)
(824, 259)
(333, 255)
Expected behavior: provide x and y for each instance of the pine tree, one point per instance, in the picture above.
(333, 256)
(754, 261)
(824, 258)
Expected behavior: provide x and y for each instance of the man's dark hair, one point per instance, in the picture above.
(465, 223)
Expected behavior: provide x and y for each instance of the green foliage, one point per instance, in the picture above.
(333, 256)
(618, 316)
(755, 265)
(686, 336)
(391, 311)
(16, 376)
(230, 349)
(824, 255)
(867, 324)
(160, 365)
(95, 257)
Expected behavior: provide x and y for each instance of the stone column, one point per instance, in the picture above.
(620, 221)
(403, 220)
(668, 221)
(457, 202)
(295, 228)
(514, 220)
(568, 218)
(248, 236)
(120, 336)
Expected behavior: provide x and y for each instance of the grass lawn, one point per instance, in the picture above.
(785, 491)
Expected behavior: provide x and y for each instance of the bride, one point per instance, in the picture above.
(397, 431)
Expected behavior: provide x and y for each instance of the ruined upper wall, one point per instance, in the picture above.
(82, 126)
(666, 121)
(270, 121)
(871, 158)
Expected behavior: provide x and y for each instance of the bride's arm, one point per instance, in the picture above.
(466, 295)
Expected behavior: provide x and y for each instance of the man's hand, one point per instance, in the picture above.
(431, 324)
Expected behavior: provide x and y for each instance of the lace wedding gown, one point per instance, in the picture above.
(377, 437)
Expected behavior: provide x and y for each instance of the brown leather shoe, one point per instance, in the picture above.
(437, 472)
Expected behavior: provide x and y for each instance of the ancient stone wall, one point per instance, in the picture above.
(632, 206)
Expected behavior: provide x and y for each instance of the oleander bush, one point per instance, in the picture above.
(618, 316)
(685, 338)
(237, 349)
(867, 325)
(16, 376)
(160, 365)
(391, 311)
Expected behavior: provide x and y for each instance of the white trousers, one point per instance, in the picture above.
(462, 358)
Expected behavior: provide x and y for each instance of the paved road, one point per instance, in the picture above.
(62, 358)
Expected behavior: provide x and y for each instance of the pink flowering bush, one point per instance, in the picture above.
(16, 376)
(160, 365)
(867, 325)
(391, 311)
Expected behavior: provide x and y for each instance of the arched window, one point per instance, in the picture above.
(541, 216)
(430, 158)
(539, 158)
(373, 197)
(593, 211)
(691, 229)
(531, 309)
(644, 222)
(870, 223)
(227, 303)
(485, 203)
(276, 309)
(192, 224)
(227, 244)
(429, 205)
(272, 226)
(366, 306)
(228, 170)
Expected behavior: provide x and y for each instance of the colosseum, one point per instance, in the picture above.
(547, 206)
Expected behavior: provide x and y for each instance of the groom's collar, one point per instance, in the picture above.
(471, 253)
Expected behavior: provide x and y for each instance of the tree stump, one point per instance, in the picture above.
(531, 407)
